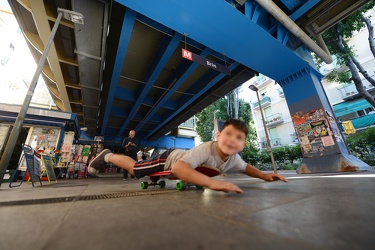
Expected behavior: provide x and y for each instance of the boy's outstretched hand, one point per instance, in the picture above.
(274, 177)
(256, 173)
(224, 186)
(185, 173)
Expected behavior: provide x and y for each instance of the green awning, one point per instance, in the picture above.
(364, 121)
(345, 108)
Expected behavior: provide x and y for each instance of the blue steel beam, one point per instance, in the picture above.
(195, 97)
(252, 11)
(282, 34)
(125, 94)
(163, 60)
(303, 9)
(240, 39)
(126, 30)
(163, 29)
(168, 31)
(171, 91)
(117, 111)
(131, 96)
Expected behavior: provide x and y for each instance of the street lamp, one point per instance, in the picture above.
(255, 89)
(75, 17)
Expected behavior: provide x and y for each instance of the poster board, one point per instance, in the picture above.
(48, 168)
(66, 155)
(32, 164)
(317, 132)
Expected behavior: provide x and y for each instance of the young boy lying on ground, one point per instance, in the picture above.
(221, 154)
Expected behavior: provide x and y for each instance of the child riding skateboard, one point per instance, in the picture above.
(221, 154)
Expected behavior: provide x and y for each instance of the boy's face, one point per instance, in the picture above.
(231, 140)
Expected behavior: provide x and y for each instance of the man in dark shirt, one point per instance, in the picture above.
(131, 145)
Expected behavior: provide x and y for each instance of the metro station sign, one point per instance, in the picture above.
(205, 62)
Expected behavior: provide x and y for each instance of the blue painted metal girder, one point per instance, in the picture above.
(163, 60)
(125, 94)
(188, 40)
(195, 97)
(126, 30)
(303, 9)
(117, 111)
(186, 74)
(291, 4)
(131, 96)
(240, 39)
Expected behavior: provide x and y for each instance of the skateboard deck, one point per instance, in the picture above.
(180, 185)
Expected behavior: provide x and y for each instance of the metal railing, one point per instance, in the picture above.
(274, 119)
(265, 101)
(275, 142)
(189, 123)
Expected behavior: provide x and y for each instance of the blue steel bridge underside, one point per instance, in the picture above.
(233, 37)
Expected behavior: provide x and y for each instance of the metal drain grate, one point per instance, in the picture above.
(84, 198)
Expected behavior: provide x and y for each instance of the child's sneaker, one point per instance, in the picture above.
(98, 162)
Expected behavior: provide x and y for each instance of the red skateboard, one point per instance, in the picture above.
(180, 185)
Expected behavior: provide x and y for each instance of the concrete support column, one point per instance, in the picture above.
(322, 143)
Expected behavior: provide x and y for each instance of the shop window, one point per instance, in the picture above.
(368, 110)
(361, 113)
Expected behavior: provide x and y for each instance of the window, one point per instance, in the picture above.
(368, 110)
(267, 112)
(361, 112)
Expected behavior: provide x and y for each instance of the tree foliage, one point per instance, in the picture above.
(222, 109)
(205, 122)
(337, 38)
(362, 145)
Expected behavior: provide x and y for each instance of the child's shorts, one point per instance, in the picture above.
(152, 165)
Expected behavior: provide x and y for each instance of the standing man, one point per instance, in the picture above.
(131, 145)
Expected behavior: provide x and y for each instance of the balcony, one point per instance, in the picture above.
(262, 81)
(265, 102)
(189, 123)
(349, 91)
(273, 120)
(281, 92)
(185, 129)
(275, 142)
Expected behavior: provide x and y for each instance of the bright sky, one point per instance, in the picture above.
(17, 66)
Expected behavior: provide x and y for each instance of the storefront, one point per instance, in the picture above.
(42, 129)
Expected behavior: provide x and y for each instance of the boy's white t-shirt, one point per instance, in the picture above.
(207, 154)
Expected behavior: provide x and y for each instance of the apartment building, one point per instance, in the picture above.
(347, 103)
(277, 118)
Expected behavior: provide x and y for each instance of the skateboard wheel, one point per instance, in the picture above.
(180, 185)
(162, 184)
(198, 187)
(144, 185)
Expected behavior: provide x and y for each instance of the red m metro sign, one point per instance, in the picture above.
(187, 54)
(205, 62)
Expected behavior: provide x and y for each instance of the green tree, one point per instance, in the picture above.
(362, 145)
(223, 109)
(336, 39)
(205, 122)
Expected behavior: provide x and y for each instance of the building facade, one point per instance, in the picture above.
(345, 99)
(347, 103)
(277, 118)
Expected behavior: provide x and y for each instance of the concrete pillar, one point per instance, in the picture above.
(322, 143)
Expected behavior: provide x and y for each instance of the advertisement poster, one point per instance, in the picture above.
(334, 127)
(314, 131)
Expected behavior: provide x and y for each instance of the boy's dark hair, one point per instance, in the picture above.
(238, 124)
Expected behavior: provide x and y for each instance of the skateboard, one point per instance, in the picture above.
(180, 185)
